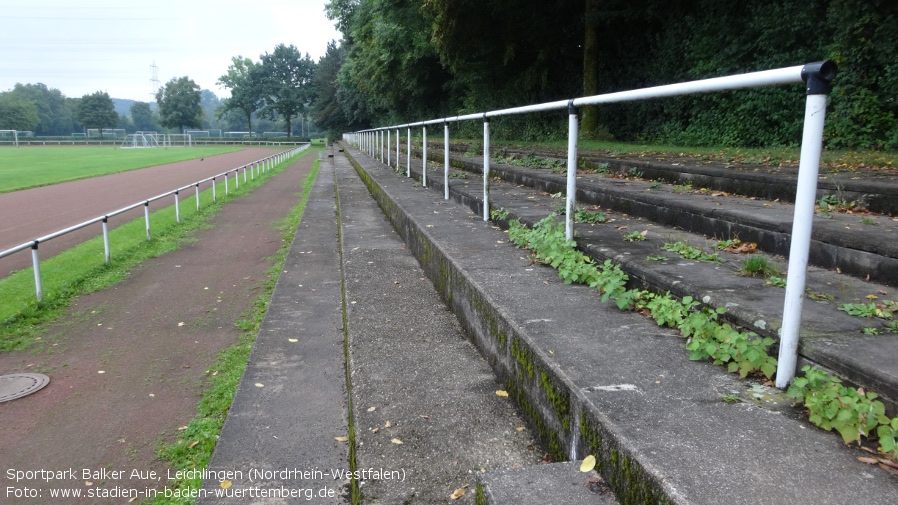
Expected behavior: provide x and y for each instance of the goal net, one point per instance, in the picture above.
(141, 140)
(9, 137)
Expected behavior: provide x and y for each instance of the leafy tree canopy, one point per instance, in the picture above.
(179, 104)
(244, 79)
(97, 111)
(17, 113)
(285, 82)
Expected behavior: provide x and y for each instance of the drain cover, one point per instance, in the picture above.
(17, 385)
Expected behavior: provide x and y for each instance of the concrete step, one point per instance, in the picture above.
(594, 380)
(829, 338)
(555, 483)
(865, 249)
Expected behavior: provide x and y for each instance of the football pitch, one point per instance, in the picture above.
(28, 167)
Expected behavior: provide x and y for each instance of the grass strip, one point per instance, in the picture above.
(224, 375)
(30, 167)
(82, 269)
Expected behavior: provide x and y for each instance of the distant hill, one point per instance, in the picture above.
(123, 105)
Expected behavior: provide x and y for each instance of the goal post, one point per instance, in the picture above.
(9, 137)
(141, 140)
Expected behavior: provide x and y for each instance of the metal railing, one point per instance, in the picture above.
(255, 168)
(817, 77)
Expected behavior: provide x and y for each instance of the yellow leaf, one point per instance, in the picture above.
(191, 445)
(588, 463)
(458, 493)
(502, 393)
(396, 441)
(260, 385)
(292, 340)
(341, 439)
(182, 428)
(225, 484)
(371, 409)
(519, 428)
(375, 430)
(388, 424)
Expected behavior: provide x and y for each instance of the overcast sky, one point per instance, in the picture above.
(83, 46)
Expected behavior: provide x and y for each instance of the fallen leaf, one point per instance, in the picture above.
(502, 393)
(388, 424)
(425, 416)
(341, 439)
(519, 428)
(396, 441)
(225, 484)
(88, 483)
(182, 428)
(191, 445)
(260, 385)
(292, 340)
(375, 430)
(101, 371)
(458, 493)
(372, 409)
(869, 461)
(588, 463)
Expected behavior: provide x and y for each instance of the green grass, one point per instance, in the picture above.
(224, 375)
(82, 269)
(28, 167)
(833, 160)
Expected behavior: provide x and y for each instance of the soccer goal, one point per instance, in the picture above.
(141, 140)
(178, 140)
(10, 137)
(198, 133)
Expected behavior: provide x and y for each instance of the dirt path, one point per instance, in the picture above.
(32, 213)
(128, 363)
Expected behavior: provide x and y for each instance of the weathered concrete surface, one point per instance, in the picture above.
(416, 378)
(290, 405)
(829, 337)
(595, 380)
(558, 484)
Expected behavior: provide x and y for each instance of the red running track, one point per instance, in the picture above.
(32, 213)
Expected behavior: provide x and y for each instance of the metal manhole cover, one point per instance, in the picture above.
(17, 385)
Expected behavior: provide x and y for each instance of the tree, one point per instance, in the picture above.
(244, 80)
(142, 117)
(327, 111)
(97, 111)
(17, 113)
(179, 104)
(285, 83)
(55, 117)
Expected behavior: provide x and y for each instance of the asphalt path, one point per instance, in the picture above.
(32, 213)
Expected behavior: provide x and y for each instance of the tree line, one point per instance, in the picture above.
(406, 60)
(275, 93)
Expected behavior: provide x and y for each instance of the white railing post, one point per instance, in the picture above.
(486, 168)
(214, 196)
(398, 151)
(388, 147)
(36, 263)
(571, 203)
(817, 76)
(382, 141)
(177, 209)
(197, 192)
(408, 172)
(445, 160)
(146, 217)
(106, 238)
(424, 156)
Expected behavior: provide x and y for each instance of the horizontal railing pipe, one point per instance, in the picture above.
(264, 164)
